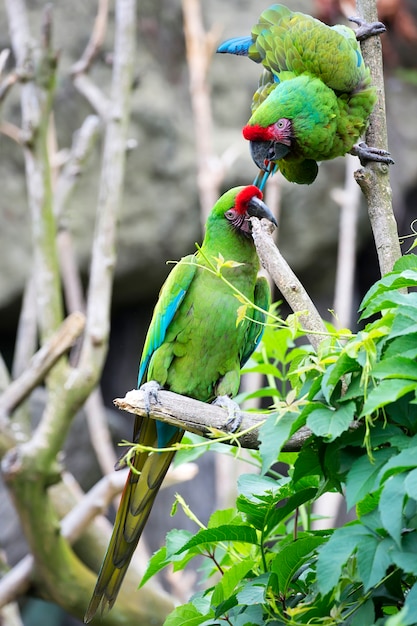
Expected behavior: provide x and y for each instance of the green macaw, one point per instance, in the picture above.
(194, 347)
(314, 96)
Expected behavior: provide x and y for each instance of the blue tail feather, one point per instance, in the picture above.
(236, 45)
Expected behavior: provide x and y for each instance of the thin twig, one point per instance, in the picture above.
(200, 46)
(96, 40)
(42, 362)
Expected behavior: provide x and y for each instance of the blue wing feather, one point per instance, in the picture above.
(170, 298)
(236, 45)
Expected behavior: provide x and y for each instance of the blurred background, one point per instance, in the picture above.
(161, 216)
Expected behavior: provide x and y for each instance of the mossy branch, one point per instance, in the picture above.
(373, 179)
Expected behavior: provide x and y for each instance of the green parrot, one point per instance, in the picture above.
(194, 347)
(314, 96)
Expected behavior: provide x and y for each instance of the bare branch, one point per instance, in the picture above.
(374, 178)
(199, 50)
(287, 282)
(93, 94)
(96, 39)
(42, 362)
(110, 194)
(201, 418)
(83, 142)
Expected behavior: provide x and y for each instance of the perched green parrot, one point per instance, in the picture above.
(314, 96)
(194, 347)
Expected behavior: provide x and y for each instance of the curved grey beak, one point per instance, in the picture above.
(257, 208)
(264, 151)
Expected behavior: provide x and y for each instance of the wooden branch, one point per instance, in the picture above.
(200, 47)
(93, 94)
(374, 178)
(201, 418)
(42, 362)
(94, 347)
(83, 142)
(96, 39)
(287, 282)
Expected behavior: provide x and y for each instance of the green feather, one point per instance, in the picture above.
(193, 347)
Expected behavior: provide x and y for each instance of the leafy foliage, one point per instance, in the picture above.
(358, 398)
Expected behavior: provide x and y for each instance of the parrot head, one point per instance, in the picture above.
(238, 205)
(296, 120)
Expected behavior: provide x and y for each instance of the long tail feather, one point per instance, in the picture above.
(135, 506)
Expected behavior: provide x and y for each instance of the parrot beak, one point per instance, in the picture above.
(264, 151)
(257, 208)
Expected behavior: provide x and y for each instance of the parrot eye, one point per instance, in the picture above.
(281, 123)
(230, 214)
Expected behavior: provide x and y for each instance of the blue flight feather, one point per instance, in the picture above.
(159, 329)
(236, 45)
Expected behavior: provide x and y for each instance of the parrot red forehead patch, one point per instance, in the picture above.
(257, 133)
(245, 196)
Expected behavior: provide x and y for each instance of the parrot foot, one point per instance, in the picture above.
(367, 29)
(233, 412)
(150, 391)
(366, 153)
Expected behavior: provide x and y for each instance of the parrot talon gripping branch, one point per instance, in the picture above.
(195, 348)
(367, 29)
(314, 96)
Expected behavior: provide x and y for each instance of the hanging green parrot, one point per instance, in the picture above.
(314, 96)
(193, 347)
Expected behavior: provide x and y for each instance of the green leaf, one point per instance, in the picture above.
(362, 477)
(185, 615)
(245, 534)
(374, 558)
(404, 460)
(274, 433)
(333, 555)
(396, 367)
(264, 368)
(391, 281)
(410, 484)
(333, 374)
(386, 392)
(252, 486)
(407, 561)
(329, 423)
(391, 506)
(291, 558)
(364, 615)
(406, 345)
(250, 616)
(230, 579)
(187, 455)
(277, 515)
(157, 562)
(224, 516)
(410, 607)
(389, 300)
(254, 591)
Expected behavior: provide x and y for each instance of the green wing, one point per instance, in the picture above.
(262, 299)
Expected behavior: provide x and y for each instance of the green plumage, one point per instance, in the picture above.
(316, 78)
(193, 347)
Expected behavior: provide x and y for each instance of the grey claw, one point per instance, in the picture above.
(233, 411)
(150, 390)
(367, 29)
(366, 153)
